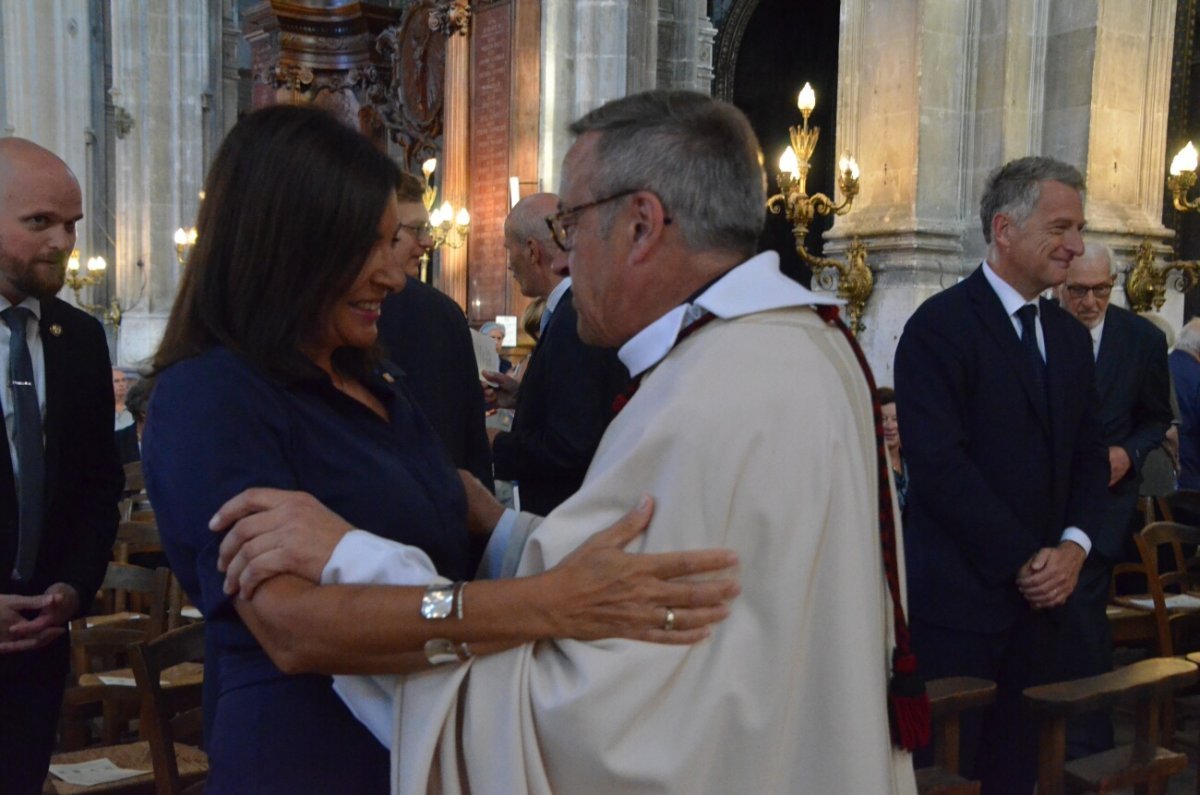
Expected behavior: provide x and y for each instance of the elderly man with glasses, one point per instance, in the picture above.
(564, 401)
(1133, 412)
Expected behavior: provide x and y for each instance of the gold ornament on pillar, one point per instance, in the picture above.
(1146, 284)
(855, 280)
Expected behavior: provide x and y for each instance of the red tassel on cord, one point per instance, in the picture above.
(908, 703)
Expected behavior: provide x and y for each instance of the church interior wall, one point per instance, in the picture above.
(929, 95)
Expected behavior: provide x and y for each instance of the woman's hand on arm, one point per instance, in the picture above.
(271, 532)
(602, 591)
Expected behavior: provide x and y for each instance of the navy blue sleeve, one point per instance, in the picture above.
(214, 428)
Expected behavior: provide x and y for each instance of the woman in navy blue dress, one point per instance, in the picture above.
(268, 379)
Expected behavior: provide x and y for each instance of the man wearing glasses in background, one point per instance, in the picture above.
(1133, 413)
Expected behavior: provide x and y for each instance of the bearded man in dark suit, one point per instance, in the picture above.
(1007, 473)
(59, 475)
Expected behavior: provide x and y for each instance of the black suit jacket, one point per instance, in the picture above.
(83, 477)
(425, 333)
(993, 477)
(1134, 412)
(563, 406)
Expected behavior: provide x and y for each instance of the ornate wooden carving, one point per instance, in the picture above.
(303, 54)
(411, 105)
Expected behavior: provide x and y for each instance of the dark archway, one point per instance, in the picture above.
(767, 50)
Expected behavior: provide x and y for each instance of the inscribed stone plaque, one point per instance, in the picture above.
(491, 111)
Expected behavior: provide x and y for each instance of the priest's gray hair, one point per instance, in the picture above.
(1015, 187)
(699, 155)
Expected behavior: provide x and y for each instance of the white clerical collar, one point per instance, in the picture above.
(557, 293)
(754, 286)
(1009, 297)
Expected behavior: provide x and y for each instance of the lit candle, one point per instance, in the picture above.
(95, 264)
(463, 219)
(847, 165)
(73, 261)
(181, 237)
(1186, 160)
(428, 167)
(807, 99)
(788, 164)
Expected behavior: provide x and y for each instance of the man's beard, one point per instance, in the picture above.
(40, 278)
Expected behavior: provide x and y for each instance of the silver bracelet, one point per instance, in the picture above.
(458, 600)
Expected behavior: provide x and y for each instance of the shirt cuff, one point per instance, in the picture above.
(362, 558)
(492, 565)
(1079, 537)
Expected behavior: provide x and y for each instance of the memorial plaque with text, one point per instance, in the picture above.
(491, 111)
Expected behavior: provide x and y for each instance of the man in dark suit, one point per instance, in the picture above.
(1184, 362)
(1133, 413)
(59, 476)
(426, 334)
(995, 391)
(565, 400)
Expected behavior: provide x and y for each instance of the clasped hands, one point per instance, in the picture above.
(20, 631)
(1048, 578)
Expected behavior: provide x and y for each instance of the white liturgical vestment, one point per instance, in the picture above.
(753, 433)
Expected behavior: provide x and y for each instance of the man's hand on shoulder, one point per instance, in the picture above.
(273, 531)
(1048, 578)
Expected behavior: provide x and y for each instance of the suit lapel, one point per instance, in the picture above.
(55, 351)
(998, 324)
(1112, 352)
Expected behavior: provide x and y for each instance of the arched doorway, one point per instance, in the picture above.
(765, 51)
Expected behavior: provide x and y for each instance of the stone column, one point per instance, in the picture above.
(456, 181)
(160, 74)
(593, 51)
(685, 43)
(45, 86)
(1108, 75)
(904, 112)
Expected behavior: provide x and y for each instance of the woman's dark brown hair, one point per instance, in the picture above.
(291, 211)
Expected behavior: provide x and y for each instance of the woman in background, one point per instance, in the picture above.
(891, 440)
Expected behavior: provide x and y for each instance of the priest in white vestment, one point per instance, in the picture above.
(752, 428)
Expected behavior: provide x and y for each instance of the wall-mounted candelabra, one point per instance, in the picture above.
(1146, 284)
(447, 226)
(855, 282)
(92, 273)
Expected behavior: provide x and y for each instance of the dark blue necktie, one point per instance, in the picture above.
(27, 432)
(1028, 317)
